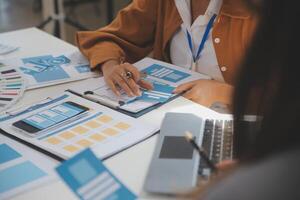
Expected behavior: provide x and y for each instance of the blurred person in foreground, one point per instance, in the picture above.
(268, 161)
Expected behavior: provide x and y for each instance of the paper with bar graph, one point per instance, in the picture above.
(104, 130)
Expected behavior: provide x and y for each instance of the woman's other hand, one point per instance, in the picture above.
(206, 92)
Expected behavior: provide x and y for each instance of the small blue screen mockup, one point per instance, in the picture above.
(7, 153)
(88, 178)
(15, 171)
(19, 175)
(160, 93)
(165, 73)
(52, 116)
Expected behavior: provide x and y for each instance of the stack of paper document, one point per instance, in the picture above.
(104, 130)
(46, 70)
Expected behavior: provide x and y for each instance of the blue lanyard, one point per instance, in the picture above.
(205, 36)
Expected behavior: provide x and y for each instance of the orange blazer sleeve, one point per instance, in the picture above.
(130, 35)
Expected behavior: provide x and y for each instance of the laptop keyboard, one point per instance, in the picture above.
(217, 141)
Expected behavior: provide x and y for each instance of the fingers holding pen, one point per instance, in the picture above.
(122, 83)
(124, 76)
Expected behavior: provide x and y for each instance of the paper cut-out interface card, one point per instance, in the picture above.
(88, 178)
(21, 170)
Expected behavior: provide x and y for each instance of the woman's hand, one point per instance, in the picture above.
(206, 92)
(115, 77)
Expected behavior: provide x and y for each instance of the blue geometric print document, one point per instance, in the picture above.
(16, 171)
(46, 68)
(18, 175)
(83, 69)
(7, 154)
(165, 73)
(90, 179)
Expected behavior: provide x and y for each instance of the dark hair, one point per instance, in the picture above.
(270, 74)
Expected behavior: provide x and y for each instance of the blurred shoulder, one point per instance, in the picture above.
(275, 178)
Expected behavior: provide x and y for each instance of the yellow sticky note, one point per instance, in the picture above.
(71, 148)
(84, 143)
(80, 130)
(67, 135)
(53, 140)
(110, 132)
(92, 124)
(104, 118)
(122, 126)
(97, 137)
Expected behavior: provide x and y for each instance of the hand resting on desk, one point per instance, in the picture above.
(206, 92)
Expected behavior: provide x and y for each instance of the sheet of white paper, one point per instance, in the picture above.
(99, 87)
(6, 49)
(46, 70)
(103, 129)
(30, 168)
(107, 93)
(89, 84)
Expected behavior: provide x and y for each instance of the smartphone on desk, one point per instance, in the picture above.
(51, 118)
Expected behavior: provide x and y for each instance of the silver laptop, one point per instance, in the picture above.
(175, 166)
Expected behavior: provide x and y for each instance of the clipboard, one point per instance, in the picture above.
(157, 72)
(131, 114)
(103, 128)
(147, 110)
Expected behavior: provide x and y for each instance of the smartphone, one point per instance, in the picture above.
(50, 118)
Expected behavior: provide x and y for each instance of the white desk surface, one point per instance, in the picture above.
(131, 165)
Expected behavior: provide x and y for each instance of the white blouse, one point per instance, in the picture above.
(180, 52)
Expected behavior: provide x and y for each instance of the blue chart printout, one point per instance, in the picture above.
(17, 172)
(90, 179)
(161, 93)
(165, 73)
(44, 70)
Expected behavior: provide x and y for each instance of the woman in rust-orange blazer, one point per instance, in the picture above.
(146, 26)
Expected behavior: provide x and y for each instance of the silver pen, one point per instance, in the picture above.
(101, 100)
